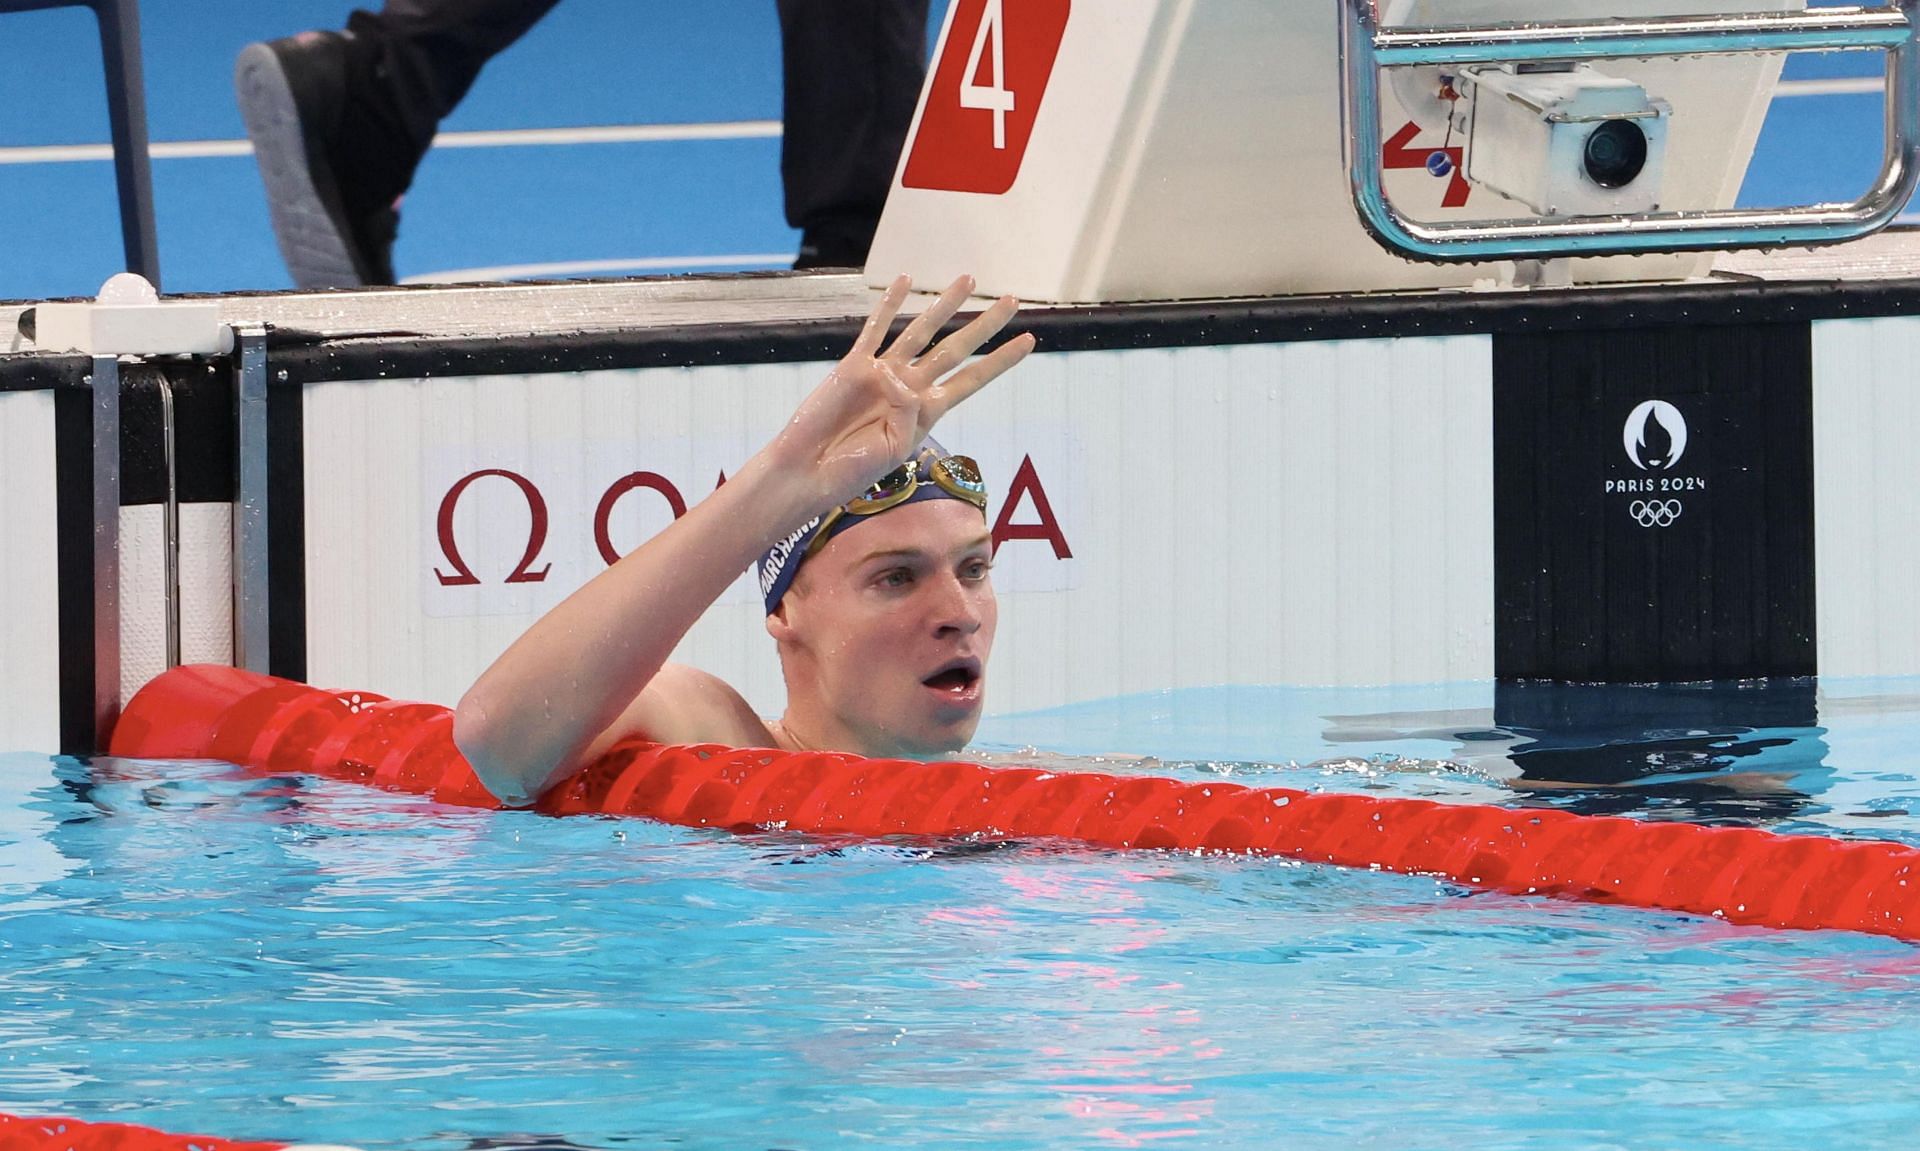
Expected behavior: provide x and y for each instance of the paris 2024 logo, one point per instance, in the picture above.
(1655, 438)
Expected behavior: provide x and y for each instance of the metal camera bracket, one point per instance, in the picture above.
(1366, 48)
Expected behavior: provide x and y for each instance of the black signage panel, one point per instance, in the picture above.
(1653, 503)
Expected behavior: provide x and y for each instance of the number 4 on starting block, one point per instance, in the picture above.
(985, 95)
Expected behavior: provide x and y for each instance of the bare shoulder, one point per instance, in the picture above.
(686, 705)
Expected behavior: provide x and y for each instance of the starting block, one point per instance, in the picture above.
(1177, 149)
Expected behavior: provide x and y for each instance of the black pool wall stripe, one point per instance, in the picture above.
(1653, 503)
(203, 420)
(286, 531)
(73, 495)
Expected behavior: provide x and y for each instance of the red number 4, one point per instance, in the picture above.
(985, 95)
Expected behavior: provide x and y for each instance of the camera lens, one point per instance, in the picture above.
(1616, 153)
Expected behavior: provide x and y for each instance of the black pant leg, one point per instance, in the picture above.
(431, 51)
(853, 71)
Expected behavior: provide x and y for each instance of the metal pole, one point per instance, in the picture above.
(106, 547)
(170, 515)
(250, 505)
(1820, 30)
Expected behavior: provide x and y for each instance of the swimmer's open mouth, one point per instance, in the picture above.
(958, 677)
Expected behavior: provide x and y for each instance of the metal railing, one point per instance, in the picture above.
(1366, 48)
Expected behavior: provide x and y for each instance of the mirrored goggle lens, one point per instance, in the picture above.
(963, 471)
(960, 475)
(888, 490)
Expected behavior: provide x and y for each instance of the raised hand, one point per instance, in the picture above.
(875, 406)
(585, 674)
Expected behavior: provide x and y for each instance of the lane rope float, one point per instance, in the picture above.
(18, 1133)
(1742, 875)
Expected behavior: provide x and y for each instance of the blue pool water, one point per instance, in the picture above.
(198, 948)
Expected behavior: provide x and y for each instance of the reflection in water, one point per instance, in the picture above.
(526, 1143)
(1723, 752)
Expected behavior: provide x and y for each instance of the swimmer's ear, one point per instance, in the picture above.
(778, 625)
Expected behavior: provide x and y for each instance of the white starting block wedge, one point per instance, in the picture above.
(1108, 150)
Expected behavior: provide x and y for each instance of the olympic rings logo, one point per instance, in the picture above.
(1654, 513)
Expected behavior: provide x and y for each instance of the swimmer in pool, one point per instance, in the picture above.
(871, 547)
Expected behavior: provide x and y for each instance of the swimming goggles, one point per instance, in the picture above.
(958, 476)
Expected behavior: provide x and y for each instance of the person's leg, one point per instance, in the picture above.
(853, 71)
(430, 51)
(340, 120)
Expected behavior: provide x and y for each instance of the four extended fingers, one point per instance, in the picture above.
(951, 351)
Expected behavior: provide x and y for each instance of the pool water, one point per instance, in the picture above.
(199, 948)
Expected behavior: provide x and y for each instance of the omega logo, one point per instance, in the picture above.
(1024, 489)
(536, 532)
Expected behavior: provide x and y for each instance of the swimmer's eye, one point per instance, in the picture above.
(895, 578)
(976, 569)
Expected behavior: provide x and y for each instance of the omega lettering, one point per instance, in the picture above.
(1026, 484)
(603, 514)
(536, 534)
(1026, 497)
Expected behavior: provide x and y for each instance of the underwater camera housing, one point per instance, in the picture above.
(1563, 138)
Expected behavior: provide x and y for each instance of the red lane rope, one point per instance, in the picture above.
(1739, 874)
(21, 1134)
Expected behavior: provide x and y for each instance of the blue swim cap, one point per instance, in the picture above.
(931, 474)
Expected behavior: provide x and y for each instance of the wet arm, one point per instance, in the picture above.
(525, 724)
